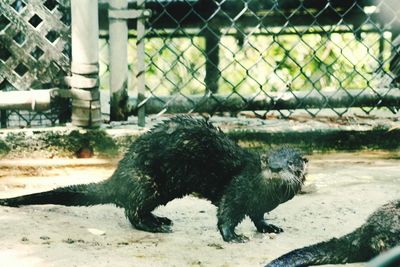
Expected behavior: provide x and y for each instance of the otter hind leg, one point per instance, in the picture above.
(142, 201)
(151, 223)
(145, 220)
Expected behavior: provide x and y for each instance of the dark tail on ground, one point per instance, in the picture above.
(334, 251)
(75, 195)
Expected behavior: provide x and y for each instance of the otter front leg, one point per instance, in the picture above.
(228, 219)
(264, 227)
(143, 199)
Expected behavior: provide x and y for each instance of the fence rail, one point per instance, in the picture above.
(212, 55)
(287, 101)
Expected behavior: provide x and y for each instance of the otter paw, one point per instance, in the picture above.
(152, 223)
(164, 229)
(269, 228)
(231, 236)
(161, 228)
(163, 220)
(239, 239)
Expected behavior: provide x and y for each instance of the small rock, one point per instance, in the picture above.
(43, 237)
(24, 239)
(96, 231)
(214, 245)
(271, 235)
(69, 241)
(85, 152)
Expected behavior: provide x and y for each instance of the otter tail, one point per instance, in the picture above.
(334, 251)
(75, 195)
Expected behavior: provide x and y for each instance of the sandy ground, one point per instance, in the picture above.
(346, 189)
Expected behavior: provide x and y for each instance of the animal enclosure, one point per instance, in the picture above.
(206, 56)
(317, 75)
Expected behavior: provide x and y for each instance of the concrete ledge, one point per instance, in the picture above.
(309, 134)
(54, 163)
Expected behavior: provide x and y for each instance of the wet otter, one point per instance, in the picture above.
(180, 156)
(380, 232)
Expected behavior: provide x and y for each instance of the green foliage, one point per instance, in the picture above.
(265, 61)
(4, 148)
(98, 140)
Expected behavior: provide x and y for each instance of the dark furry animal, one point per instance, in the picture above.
(180, 156)
(380, 232)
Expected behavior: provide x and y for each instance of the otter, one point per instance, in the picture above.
(184, 155)
(380, 232)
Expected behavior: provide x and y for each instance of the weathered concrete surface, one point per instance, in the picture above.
(353, 132)
(345, 189)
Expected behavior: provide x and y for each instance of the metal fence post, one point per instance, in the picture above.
(3, 114)
(212, 37)
(141, 64)
(85, 56)
(118, 30)
(3, 118)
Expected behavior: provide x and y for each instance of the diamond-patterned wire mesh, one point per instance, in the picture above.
(34, 54)
(247, 49)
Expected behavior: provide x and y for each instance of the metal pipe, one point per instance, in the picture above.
(141, 64)
(286, 101)
(85, 58)
(35, 100)
(118, 30)
(212, 39)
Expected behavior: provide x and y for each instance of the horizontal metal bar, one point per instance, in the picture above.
(35, 100)
(40, 100)
(77, 94)
(286, 101)
(271, 33)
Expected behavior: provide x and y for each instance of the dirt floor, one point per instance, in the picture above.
(344, 189)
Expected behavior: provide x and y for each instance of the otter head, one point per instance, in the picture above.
(288, 163)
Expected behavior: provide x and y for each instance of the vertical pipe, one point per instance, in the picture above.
(394, 60)
(381, 50)
(3, 113)
(212, 38)
(3, 118)
(118, 30)
(85, 58)
(141, 64)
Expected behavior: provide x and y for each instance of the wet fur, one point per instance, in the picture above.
(380, 232)
(180, 156)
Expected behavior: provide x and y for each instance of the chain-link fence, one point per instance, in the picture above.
(229, 55)
(213, 55)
